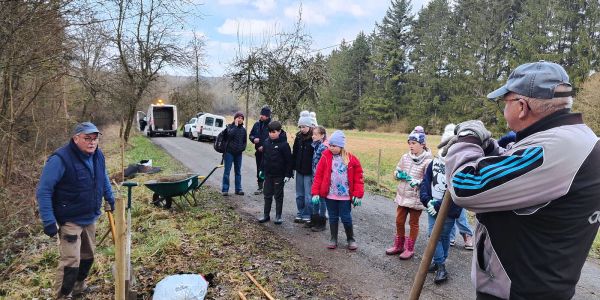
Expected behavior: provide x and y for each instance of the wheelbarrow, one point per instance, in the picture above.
(177, 186)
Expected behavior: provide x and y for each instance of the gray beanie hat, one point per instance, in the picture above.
(305, 119)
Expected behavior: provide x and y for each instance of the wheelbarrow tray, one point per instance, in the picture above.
(173, 188)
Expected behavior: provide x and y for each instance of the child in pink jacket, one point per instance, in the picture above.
(410, 171)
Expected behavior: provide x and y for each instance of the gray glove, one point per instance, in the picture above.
(474, 128)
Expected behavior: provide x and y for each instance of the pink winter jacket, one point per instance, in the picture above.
(415, 167)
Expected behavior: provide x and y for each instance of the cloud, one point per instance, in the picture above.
(265, 6)
(246, 26)
(310, 15)
(233, 2)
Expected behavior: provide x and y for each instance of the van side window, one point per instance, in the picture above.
(209, 121)
(219, 122)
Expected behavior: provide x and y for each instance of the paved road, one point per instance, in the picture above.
(368, 271)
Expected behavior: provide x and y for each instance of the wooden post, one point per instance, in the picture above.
(379, 170)
(415, 291)
(120, 244)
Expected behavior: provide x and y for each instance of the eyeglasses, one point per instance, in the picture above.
(89, 139)
(502, 102)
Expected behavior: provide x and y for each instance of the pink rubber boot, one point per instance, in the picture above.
(398, 246)
(409, 249)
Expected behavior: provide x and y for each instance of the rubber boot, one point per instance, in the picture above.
(409, 249)
(398, 246)
(313, 221)
(321, 224)
(441, 275)
(350, 237)
(333, 228)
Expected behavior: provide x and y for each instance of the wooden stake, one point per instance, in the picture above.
(120, 244)
(379, 169)
(415, 291)
(259, 286)
(242, 297)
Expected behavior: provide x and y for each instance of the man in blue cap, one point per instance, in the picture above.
(69, 196)
(536, 201)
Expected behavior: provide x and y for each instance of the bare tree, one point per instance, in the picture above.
(145, 40)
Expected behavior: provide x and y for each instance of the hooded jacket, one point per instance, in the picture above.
(277, 159)
(302, 154)
(322, 179)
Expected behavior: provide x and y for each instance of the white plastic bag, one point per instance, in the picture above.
(181, 287)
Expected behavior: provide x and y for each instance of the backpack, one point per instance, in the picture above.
(220, 144)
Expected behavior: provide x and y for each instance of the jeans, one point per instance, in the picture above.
(339, 209)
(303, 197)
(463, 226)
(236, 160)
(443, 244)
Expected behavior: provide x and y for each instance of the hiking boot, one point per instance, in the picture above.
(350, 237)
(264, 219)
(398, 246)
(240, 193)
(278, 220)
(440, 275)
(333, 228)
(320, 225)
(79, 288)
(409, 249)
(298, 220)
(468, 241)
(312, 222)
(432, 268)
(258, 191)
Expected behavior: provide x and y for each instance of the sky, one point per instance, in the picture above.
(225, 23)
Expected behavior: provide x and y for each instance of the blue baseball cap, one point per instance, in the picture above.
(535, 80)
(86, 128)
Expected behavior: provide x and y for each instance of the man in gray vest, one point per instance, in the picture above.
(534, 200)
(69, 194)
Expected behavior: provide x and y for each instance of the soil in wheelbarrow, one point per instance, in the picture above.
(171, 178)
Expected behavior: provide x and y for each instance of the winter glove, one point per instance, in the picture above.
(356, 201)
(315, 200)
(474, 128)
(51, 230)
(414, 183)
(408, 178)
(400, 175)
(109, 207)
(261, 175)
(431, 207)
(447, 145)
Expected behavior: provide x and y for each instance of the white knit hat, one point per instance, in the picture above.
(305, 119)
(313, 117)
(448, 134)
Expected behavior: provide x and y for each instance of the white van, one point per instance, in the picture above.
(208, 126)
(161, 119)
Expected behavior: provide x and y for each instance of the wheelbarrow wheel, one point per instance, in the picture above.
(160, 201)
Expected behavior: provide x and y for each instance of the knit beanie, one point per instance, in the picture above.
(338, 139)
(305, 119)
(313, 118)
(238, 114)
(265, 111)
(418, 137)
(447, 135)
(419, 129)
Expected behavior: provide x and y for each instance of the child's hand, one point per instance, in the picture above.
(400, 175)
(356, 202)
(315, 200)
(431, 207)
(414, 183)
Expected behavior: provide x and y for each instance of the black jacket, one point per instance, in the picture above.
(277, 159)
(426, 195)
(236, 139)
(261, 131)
(302, 154)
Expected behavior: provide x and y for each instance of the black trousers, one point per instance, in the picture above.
(259, 156)
(482, 296)
(273, 188)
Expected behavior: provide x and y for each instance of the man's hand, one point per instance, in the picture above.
(449, 144)
(260, 149)
(356, 201)
(51, 230)
(315, 200)
(255, 140)
(431, 207)
(108, 207)
(474, 128)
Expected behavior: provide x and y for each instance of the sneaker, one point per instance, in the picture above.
(298, 220)
(441, 275)
(258, 192)
(468, 242)
(240, 193)
(452, 242)
(225, 193)
(264, 219)
(433, 267)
